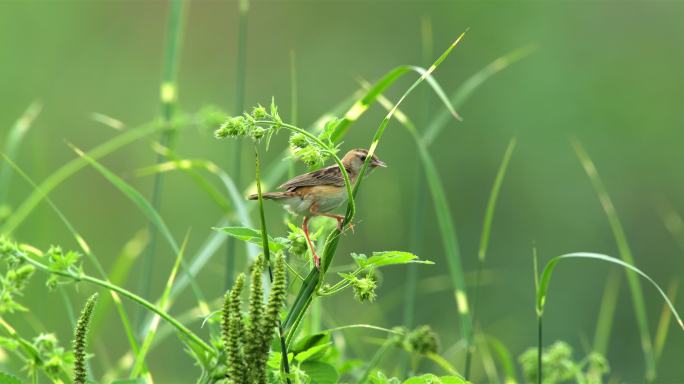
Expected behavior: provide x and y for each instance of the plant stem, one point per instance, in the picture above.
(236, 166)
(168, 98)
(539, 349)
(416, 229)
(146, 304)
(267, 257)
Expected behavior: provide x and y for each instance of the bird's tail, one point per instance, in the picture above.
(269, 196)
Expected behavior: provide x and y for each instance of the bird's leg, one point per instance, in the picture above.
(305, 227)
(340, 221)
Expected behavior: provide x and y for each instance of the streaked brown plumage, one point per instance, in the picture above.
(319, 192)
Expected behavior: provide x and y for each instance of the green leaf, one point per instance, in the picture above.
(432, 379)
(139, 380)
(6, 378)
(314, 353)
(320, 373)
(381, 259)
(253, 236)
(310, 341)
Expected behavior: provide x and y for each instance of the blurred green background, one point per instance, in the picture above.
(607, 73)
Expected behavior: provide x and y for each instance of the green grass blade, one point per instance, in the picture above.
(169, 101)
(417, 223)
(625, 254)
(12, 143)
(108, 121)
(491, 203)
(139, 364)
(235, 148)
(551, 265)
(505, 358)
(70, 168)
(484, 241)
(664, 323)
(468, 88)
(362, 105)
(604, 323)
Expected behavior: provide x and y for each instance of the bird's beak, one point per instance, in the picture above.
(379, 163)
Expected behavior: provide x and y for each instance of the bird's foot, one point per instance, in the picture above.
(340, 225)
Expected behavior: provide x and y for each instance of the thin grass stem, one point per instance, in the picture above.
(235, 149)
(484, 244)
(267, 258)
(169, 100)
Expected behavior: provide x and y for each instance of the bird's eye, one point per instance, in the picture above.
(363, 158)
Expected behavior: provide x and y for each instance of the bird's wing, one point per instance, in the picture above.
(330, 175)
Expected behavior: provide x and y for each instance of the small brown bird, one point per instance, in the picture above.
(319, 192)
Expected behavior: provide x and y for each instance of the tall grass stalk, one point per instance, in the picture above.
(267, 257)
(540, 312)
(484, 244)
(315, 278)
(664, 322)
(418, 207)
(625, 254)
(604, 322)
(169, 99)
(235, 149)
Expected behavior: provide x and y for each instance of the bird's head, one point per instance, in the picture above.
(355, 158)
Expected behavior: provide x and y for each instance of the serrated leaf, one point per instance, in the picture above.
(253, 236)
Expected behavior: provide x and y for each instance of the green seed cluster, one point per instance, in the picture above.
(80, 336)
(13, 282)
(255, 125)
(232, 331)
(247, 347)
(422, 340)
(364, 288)
(60, 261)
(560, 365)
